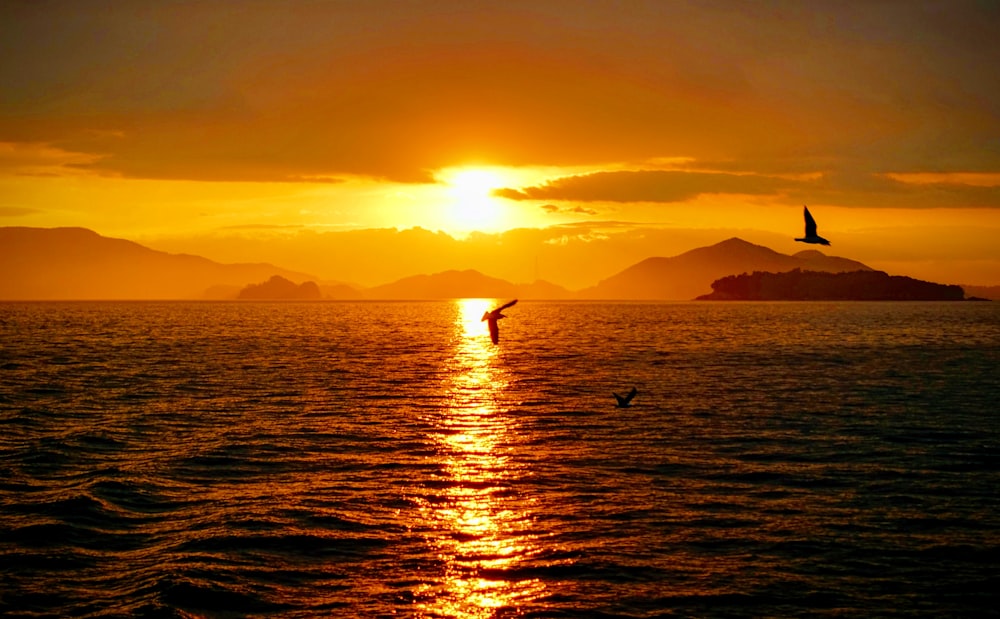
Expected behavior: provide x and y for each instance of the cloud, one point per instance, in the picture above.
(41, 159)
(646, 186)
(580, 210)
(17, 211)
(854, 189)
(264, 227)
(266, 91)
(836, 188)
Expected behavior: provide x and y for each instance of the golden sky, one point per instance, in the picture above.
(265, 130)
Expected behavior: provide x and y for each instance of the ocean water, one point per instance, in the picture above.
(386, 460)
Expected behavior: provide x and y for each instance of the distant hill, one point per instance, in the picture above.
(340, 291)
(798, 285)
(541, 289)
(463, 284)
(76, 263)
(279, 288)
(983, 292)
(688, 275)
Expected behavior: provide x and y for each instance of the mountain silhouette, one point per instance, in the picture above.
(689, 275)
(340, 291)
(541, 289)
(445, 285)
(76, 263)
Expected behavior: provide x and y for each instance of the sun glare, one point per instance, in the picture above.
(474, 184)
(471, 205)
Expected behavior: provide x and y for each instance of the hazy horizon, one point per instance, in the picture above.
(432, 254)
(526, 255)
(76, 263)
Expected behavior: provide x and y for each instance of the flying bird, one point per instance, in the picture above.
(493, 317)
(626, 400)
(811, 236)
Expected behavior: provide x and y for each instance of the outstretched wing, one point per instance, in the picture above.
(624, 401)
(494, 331)
(506, 305)
(810, 222)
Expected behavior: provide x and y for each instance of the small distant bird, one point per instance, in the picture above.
(811, 236)
(626, 400)
(494, 316)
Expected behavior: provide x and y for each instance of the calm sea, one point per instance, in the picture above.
(386, 460)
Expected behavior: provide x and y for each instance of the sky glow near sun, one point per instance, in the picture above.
(220, 128)
(470, 203)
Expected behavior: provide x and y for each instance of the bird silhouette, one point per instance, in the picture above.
(493, 316)
(626, 400)
(811, 236)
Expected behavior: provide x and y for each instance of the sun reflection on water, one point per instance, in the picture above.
(478, 522)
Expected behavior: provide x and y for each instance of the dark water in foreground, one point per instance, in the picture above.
(384, 459)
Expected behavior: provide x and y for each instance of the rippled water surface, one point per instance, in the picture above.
(385, 459)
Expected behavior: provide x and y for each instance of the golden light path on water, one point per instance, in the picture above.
(483, 527)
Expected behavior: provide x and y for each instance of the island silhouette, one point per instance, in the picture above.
(798, 285)
(279, 288)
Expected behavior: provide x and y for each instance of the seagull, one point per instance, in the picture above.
(626, 400)
(811, 236)
(493, 317)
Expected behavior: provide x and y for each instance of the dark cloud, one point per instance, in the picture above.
(844, 188)
(247, 90)
(877, 190)
(579, 210)
(645, 186)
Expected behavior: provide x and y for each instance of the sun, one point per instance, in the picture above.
(474, 184)
(471, 204)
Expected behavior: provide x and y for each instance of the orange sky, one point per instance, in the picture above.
(258, 130)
